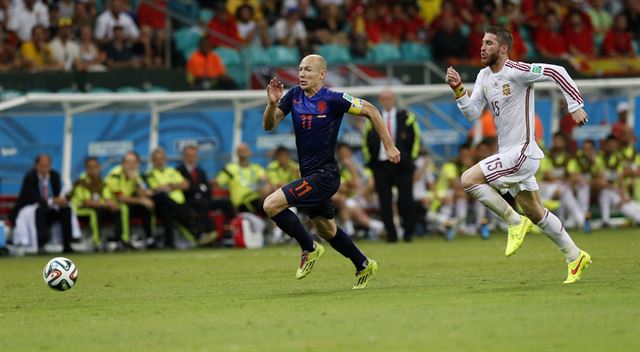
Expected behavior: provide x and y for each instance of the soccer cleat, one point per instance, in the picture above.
(308, 260)
(516, 235)
(363, 276)
(485, 232)
(576, 267)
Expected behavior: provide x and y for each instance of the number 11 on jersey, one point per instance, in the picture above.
(306, 121)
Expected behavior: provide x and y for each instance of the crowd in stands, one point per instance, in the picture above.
(94, 35)
(596, 180)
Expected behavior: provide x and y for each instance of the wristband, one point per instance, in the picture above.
(458, 91)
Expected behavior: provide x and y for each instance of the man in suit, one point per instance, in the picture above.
(198, 195)
(405, 132)
(42, 185)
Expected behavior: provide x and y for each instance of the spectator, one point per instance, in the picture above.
(475, 37)
(64, 49)
(415, 26)
(120, 52)
(36, 54)
(154, 15)
(126, 187)
(41, 186)
(198, 195)
(372, 25)
(83, 16)
(206, 70)
(66, 8)
(332, 26)
(148, 49)
(632, 13)
(579, 37)
(4, 13)
(251, 32)
(534, 19)
(167, 185)
(349, 199)
(112, 18)
(246, 181)
(617, 42)
(549, 40)
(618, 127)
(7, 53)
(290, 30)
(89, 57)
(271, 11)
(576, 7)
(282, 170)
(90, 198)
(448, 42)
(22, 19)
(223, 30)
(600, 18)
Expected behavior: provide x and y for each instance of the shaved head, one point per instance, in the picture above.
(315, 60)
(312, 72)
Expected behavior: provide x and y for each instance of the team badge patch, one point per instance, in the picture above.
(536, 69)
(506, 89)
(347, 97)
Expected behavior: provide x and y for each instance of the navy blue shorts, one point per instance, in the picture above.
(312, 194)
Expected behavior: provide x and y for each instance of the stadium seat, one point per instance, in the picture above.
(206, 15)
(335, 54)
(10, 94)
(68, 90)
(279, 55)
(239, 75)
(413, 51)
(383, 53)
(129, 89)
(229, 56)
(186, 40)
(99, 90)
(257, 55)
(39, 90)
(157, 89)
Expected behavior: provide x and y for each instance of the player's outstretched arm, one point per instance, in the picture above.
(272, 114)
(371, 112)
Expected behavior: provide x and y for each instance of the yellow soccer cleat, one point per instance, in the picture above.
(308, 260)
(363, 276)
(576, 267)
(516, 235)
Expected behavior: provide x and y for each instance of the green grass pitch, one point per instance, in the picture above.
(428, 295)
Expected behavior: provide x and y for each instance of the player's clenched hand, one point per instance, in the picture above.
(393, 154)
(580, 117)
(453, 77)
(275, 90)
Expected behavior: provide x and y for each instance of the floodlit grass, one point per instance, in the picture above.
(429, 295)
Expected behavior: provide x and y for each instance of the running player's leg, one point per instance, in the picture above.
(276, 207)
(475, 183)
(341, 242)
(577, 259)
(532, 207)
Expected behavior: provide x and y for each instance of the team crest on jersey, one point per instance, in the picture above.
(536, 69)
(322, 106)
(506, 89)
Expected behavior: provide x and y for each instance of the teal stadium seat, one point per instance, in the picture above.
(335, 54)
(229, 56)
(10, 94)
(383, 53)
(186, 40)
(280, 55)
(413, 51)
(157, 89)
(206, 15)
(99, 90)
(129, 89)
(256, 54)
